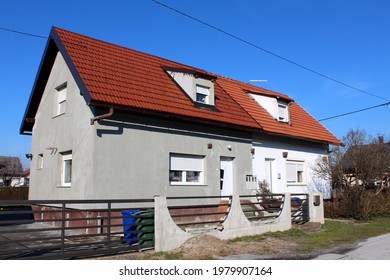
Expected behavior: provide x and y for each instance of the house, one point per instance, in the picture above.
(112, 122)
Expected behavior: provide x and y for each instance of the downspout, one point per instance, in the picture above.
(104, 116)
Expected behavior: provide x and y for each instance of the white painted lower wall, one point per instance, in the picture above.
(271, 154)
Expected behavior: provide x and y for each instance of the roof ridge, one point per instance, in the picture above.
(135, 50)
(249, 85)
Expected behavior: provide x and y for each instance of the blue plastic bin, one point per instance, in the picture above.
(129, 226)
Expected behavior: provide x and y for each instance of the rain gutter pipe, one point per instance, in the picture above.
(104, 116)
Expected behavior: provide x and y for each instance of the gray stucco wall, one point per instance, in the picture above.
(54, 134)
(131, 157)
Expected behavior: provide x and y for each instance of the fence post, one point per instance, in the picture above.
(316, 207)
(109, 225)
(285, 216)
(63, 214)
(167, 235)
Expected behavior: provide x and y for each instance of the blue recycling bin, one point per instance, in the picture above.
(129, 226)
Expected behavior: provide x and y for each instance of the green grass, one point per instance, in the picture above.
(336, 232)
(293, 232)
(165, 256)
(331, 233)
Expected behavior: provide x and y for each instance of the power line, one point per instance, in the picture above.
(23, 33)
(333, 117)
(357, 111)
(269, 52)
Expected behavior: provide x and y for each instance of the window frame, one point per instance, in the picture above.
(40, 161)
(299, 173)
(61, 98)
(204, 91)
(285, 117)
(184, 172)
(65, 158)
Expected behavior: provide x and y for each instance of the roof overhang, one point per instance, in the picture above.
(288, 100)
(195, 73)
(53, 46)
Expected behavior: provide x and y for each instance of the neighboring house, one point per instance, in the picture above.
(111, 122)
(10, 171)
(25, 179)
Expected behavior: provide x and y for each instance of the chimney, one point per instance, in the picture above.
(380, 139)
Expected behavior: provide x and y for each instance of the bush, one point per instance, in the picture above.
(359, 204)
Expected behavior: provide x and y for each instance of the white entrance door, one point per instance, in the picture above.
(226, 170)
(270, 172)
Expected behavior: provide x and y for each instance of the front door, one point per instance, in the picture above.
(270, 172)
(226, 169)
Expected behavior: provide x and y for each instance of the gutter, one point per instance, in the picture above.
(104, 116)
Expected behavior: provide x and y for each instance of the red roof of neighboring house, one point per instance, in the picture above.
(113, 75)
(26, 172)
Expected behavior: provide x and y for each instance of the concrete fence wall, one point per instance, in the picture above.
(169, 236)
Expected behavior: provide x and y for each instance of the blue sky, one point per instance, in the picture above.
(348, 40)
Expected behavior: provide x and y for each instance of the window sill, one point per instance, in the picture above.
(186, 185)
(64, 187)
(296, 184)
(59, 115)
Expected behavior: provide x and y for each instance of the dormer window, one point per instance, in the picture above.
(283, 112)
(277, 107)
(198, 86)
(202, 94)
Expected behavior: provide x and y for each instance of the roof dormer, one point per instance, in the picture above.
(199, 86)
(275, 105)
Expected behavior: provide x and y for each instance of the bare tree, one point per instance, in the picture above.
(10, 168)
(359, 162)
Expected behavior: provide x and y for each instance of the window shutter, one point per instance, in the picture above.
(202, 90)
(291, 172)
(186, 163)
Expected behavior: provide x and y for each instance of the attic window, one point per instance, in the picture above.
(61, 99)
(202, 94)
(283, 112)
(277, 107)
(199, 87)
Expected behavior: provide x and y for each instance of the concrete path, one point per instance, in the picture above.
(375, 248)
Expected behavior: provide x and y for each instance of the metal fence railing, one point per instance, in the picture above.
(201, 213)
(65, 229)
(300, 208)
(262, 206)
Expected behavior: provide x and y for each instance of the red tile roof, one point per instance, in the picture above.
(121, 76)
(117, 76)
(301, 124)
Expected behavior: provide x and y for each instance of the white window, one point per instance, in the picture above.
(283, 112)
(61, 99)
(66, 169)
(40, 161)
(295, 172)
(202, 94)
(186, 170)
